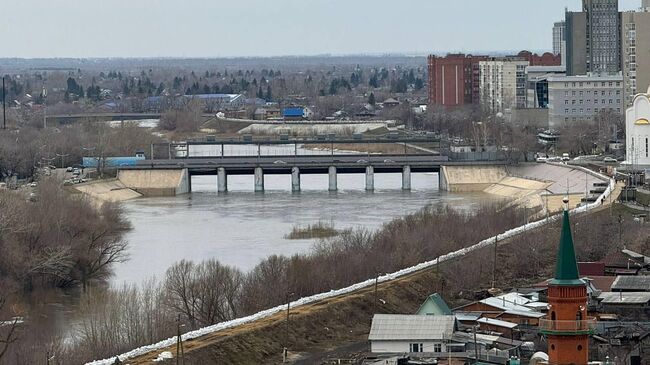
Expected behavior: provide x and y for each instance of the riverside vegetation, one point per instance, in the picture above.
(114, 320)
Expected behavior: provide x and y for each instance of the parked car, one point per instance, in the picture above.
(609, 160)
(541, 159)
(565, 157)
(69, 169)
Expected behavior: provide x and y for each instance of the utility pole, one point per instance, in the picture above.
(44, 106)
(180, 353)
(494, 268)
(4, 106)
(286, 338)
(376, 299)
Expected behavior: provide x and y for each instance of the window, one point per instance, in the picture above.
(437, 347)
(415, 347)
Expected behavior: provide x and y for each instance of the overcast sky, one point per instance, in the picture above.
(220, 28)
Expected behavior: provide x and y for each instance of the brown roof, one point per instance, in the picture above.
(591, 268)
(602, 283)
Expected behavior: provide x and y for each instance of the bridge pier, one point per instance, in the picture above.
(406, 177)
(259, 179)
(370, 178)
(332, 178)
(295, 179)
(222, 180)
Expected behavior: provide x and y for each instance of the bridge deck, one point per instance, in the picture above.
(309, 164)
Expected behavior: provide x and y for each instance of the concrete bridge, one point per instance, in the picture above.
(177, 173)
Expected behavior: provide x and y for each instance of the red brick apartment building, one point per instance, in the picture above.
(454, 79)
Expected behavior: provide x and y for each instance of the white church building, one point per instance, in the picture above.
(637, 131)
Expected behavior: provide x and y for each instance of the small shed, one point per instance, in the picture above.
(495, 325)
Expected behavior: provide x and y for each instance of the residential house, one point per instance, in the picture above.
(397, 333)
(508, 307)
(434, 305)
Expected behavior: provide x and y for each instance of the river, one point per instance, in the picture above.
(242, 227)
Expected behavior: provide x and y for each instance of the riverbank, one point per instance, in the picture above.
(343, 320)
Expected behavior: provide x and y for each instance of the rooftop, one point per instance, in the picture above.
(632, 283)
(411, 327)
(624, 298)
(497, 322)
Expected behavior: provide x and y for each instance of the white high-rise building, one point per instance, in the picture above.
(502, 84)
(558, 37)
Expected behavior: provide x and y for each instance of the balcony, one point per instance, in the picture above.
(550, 327)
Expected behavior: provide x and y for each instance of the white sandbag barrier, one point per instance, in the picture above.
(368, 283)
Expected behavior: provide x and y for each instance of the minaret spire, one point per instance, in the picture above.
(566, 270)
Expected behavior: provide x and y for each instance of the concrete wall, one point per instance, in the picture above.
(107, 190)
(470, 178)
(156, 182)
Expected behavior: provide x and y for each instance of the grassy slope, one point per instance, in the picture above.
(335, 322)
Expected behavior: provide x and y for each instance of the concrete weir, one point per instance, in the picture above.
(406, 178)
(222, 180)
(259, 179)
(332, 178)
(295, 179)
(168, 182)
(370, 178)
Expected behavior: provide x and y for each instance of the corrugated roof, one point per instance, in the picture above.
(624, 298)
(497, 322)
(393, 327)
(293, 112)
(632, 283)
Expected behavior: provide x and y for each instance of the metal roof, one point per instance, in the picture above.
(511, 308)
(633, 283)
(434, 304)
(293, 112)
(497, 322)
(624, 298)
(395, 327)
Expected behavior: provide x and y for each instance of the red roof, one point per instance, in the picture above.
(591, 268)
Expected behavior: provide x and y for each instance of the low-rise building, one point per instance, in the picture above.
(397, 333)
(581, 98)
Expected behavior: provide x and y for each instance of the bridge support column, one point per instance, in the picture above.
(259, 179)
(222, 180)
(370, 178)
(406, 177)
(295, 179)
(332, 175)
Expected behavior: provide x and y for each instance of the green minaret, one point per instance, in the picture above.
(566, 270)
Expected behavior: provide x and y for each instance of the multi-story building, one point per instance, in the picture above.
(537, 84)
(635, 27)
(581, 98)
(593, 38)
(503, 83)
(558, 37)
(454, 79)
